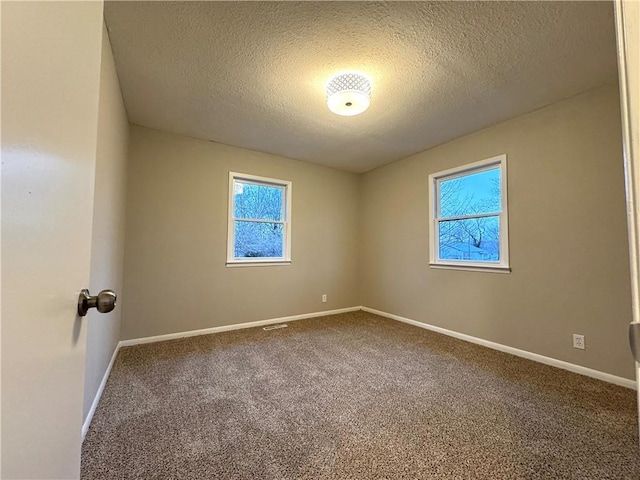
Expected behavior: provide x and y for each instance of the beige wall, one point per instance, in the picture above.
(363, 239)
(107, 244)
(175, 273)
(568, 241)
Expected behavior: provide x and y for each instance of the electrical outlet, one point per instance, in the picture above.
(324, 298)
(578, 341)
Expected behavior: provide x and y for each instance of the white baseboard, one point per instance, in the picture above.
(96, 399)
(237, 326)
(623, 382)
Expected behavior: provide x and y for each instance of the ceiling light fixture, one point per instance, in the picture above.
(348, 93)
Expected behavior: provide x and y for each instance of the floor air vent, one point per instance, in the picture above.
(273, 327)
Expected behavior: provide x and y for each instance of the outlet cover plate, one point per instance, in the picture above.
(578, 341)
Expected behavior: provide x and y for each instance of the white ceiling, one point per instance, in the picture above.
(252, 74)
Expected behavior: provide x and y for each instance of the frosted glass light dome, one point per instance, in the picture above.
(348, 93)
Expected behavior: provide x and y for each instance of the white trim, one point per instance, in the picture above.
(476, 167)
(96, 399)
(471, 267)
(627, 25)
(286, 186)
(503, 216)
(236, 326)
(606, 377)
(470, 217)
(630, 162)
(261, 263)
(256, 220)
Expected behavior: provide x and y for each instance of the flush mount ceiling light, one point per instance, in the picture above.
(348, 93)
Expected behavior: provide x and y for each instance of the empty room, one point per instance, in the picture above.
(320, 240)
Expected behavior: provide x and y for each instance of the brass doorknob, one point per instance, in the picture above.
(104, 302)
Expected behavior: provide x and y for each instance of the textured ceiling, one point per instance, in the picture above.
(252, 74)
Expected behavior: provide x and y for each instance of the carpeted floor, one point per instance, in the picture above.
(353, 396)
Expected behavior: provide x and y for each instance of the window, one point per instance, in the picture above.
(259, 220)
(468, 217)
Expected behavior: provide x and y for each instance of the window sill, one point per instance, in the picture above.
(470, 268)
(259, 263)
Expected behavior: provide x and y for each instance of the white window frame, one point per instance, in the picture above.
(286, 221)
(501, 266)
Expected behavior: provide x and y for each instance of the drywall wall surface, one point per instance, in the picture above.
(107, 241)
(567, 230)
(176, 278)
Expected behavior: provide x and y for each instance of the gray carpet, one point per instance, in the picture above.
(353, 396)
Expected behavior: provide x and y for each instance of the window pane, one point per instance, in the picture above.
(261, 202)
(473, 239)
(258, 239)
(476, 193)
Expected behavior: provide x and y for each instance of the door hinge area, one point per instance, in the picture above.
(634, 340)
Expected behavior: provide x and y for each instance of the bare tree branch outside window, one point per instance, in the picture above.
(469, 209)
(258, 210)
